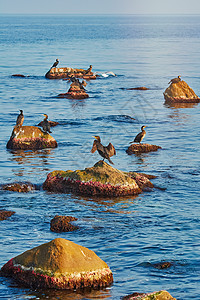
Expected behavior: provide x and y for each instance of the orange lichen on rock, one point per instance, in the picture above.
(141, 148)
(180, 92)
(99, 180)
(30, 138)
(161, 295)
(59, 264)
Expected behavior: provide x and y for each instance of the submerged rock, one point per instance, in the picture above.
(59, 264)
(5, 214)
(19, 75)
(140, 88)
(30, 138)
(62, 224)
(180, 92)
(141, 148)
(21, 187)
(99, 180)
(161, 295)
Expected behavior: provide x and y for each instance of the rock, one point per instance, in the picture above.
(100, 180)
(180, 92)
(5, 214)
(18, 75)
(21, 187)
(141, 148)
(140, 88)
(59, 264)
(62, 224)
(74, 93)
(30, 138)
(162, 265)
(161, 295)
(52, 123)
(58, 73)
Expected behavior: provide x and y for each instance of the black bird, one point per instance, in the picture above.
(45, 124)
(175, 80)
(20, 118)
(104, 151)
(139, 137)
(56, 63)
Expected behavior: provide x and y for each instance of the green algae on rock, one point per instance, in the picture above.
(59, 264)
(161, 295)
(180, 92)
(30, 138)
(141, 148)
(99, 180)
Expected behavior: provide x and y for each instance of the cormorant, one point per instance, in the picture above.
(89, 70)
(175, 80)
(20, 118)
(139, 137)
(104, 151)
(56, 63)
(45, 124)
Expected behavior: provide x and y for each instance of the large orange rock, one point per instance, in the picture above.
(59, 264)
(180, 92)
(30, 138)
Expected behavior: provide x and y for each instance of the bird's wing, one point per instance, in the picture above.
(94, 147)
(137, 138)
(111, 149)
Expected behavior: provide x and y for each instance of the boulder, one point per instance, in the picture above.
(30, 138)
(161, 295)
(62, 224)
(59, 264)
(5, 214)
(100, 180)
(21, 187)
(58, 73)
(141, 148)
(180, 92)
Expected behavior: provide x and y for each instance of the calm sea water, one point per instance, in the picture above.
(129, 234)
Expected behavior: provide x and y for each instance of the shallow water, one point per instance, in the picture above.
(130, 234)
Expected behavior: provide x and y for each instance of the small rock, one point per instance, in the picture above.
(18, 75)
(62, 224)
(5, 214)
(161, 295)
(21, 187)
(141, 148)
(162, 265)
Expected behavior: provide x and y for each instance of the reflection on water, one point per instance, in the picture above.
(66, 295)
(37, 161)
(180, 105)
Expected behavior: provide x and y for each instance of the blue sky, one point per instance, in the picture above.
(100, 6)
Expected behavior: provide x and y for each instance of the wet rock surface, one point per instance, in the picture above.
(5, 214)
(161, 295)
(180, 92)
(59, 264)
(21, 187)
(30, 138)
(63, 224)
(99, 180)
(141, 148)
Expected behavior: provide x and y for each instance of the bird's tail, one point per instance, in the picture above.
(110, 161)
